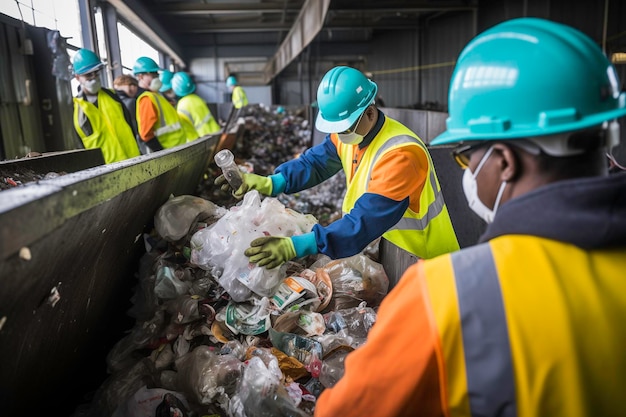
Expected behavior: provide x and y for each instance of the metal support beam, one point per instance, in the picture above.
(146, 26)
(88, 25)
(306, 27)
(112, 40)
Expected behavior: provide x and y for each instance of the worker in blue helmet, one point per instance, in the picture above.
(101, 120)
(191, 106)
(157, 120)
(166, 86)
(238, 94)
(392, 186)
(527, 322)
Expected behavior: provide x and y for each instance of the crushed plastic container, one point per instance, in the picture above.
(226, 161)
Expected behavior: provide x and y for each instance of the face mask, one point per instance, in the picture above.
(470, 188)
(350, 138)
(155, 84)
(92, 86)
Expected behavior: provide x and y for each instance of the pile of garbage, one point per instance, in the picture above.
(216, 335)
(270, 138)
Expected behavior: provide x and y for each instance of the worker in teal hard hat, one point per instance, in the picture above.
(393, 190)
(525, 322)
(239, 97)
(191, 106)
(100, 118)
(157, 120)
(166, 86)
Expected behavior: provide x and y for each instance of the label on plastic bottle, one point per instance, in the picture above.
(288, 291)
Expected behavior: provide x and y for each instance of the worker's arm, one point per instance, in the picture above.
(396, 372)
(314, 166)
(396, 184)
(147, 118)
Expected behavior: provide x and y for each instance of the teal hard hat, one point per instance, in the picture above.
(342, 96)
(231, 80)
(166, 79)
(85, 61)
(182, 84)
(530, 77)
(145, 64)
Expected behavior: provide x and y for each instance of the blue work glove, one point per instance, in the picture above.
(250, 182)
(271, 251)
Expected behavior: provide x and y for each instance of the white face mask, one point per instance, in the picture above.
(155, 84)
(470, 188)
(92, 86)
(350, 138)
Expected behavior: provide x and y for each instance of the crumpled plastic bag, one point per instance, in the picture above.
(354, 279)
(145, 402)
(180, 215)
(207, 377)
(220, 247)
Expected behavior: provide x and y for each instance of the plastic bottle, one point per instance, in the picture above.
(226, 161)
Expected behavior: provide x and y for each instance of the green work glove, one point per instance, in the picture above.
(271, 251)
(250, 182)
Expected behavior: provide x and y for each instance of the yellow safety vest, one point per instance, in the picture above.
(171, 132)
(193, 108)
(425, 234)
(530, 327)
(239, 97)
(110, 131)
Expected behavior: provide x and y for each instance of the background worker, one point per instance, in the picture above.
(157, 121)
(100, 118)
(191, 106)
(127, 89)
(392, 190)
(239, 97)
(528, 321)
(166, 88)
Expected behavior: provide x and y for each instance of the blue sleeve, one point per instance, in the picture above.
(314, 166)
(371, 216)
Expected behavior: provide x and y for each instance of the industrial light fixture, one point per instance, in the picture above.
(618, 58)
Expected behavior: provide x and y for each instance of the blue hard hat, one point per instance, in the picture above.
(145, 64)
(530, 77)
(85, 61)
(166, 79)
(182, 84)
(231, 80)
(342, 96)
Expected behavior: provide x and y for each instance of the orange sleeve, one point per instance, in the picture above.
(396, 372)
(148, 116)
(399, 174)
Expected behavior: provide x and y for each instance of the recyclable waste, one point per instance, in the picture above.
(217, 336)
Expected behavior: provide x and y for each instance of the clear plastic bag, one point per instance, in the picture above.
(220, 247)
(354, 280)
(205, 376)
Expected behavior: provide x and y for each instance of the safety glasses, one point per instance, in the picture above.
(353, 127)
(462, 154)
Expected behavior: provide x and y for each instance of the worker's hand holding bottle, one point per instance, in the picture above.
(271, 251)
(250, 182)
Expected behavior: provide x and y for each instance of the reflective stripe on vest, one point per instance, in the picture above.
(434, 208)
(171, 132)
(164, 128)
(488, 362)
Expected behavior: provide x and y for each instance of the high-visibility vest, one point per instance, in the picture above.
(109, 129)
(425, 234)
(194, 108)
(535, 329)
(239, 97)
(170, 131)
